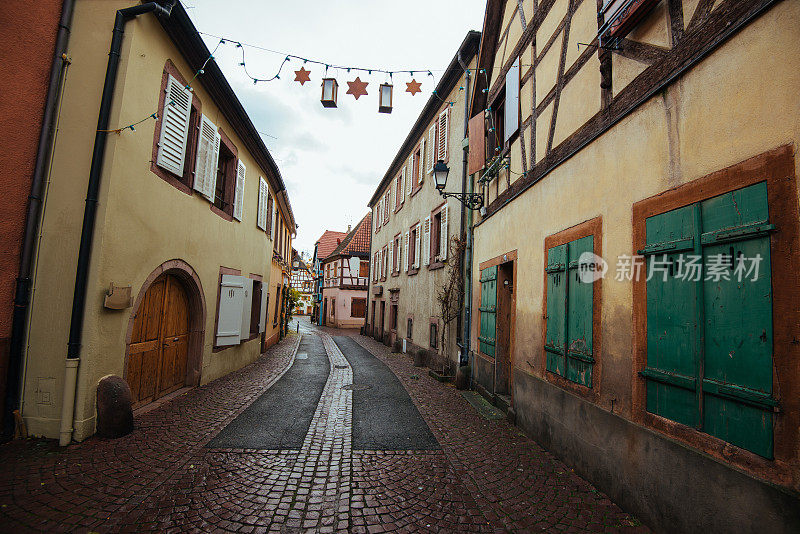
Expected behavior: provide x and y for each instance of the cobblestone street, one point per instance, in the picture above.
(482, 476)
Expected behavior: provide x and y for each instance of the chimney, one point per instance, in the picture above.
(348, 228)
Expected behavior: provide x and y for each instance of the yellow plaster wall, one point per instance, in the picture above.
(739, 102)
(580, 100)
(142, 221)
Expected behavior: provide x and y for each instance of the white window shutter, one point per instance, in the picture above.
(511, 111)
(204, 172)
(238, 199)
(421, 162)
(409, 170)
(174, 127)
(443, 235)
(405, 247)
(261, 221)
(417, 247)
(229, 319)
(389, 261)
(247, 305)
(431, 156)
(403, 184)
(426, 244)
(389, 202)
(444, 133)
(262, 319)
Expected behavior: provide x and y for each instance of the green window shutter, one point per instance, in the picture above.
(737, 381)
(672, 321)
(709, 341)
(579, 316)
(488, 311)
(556, 309)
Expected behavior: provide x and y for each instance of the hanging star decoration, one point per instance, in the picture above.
(413, 87)
(302, 75)
(357, 88)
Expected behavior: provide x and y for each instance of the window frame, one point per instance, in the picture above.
(594, 228)
(184, 183)
(777, 168)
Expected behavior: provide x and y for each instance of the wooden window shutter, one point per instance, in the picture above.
(238, 198)
(417, 247)
(431, 156)
(511, 111)
(247, 307)
(229, 320)
(409, 170)
(261, 219)
(426, 244)
(205, 180)
(407, 258)
(443, 134)
(262, 318)
(174, 127)
(443, 235)
(477, 143)
(488, 311)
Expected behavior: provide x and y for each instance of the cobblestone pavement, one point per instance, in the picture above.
(488, 477)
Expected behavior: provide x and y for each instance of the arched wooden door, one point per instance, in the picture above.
(157, 355)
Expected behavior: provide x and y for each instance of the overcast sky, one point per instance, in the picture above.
(332, 159)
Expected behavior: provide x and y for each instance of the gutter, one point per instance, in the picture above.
(22, 293)
(466, 231)
(90, 212)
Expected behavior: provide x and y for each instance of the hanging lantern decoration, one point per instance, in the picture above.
(385, 98)
(330, 89)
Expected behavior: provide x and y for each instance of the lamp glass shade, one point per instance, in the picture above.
(329, 90)
(385, 98)
(440, 171)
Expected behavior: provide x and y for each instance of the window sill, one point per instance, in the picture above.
(415, 190)
(395, 274)
(412, 272)
(228, 217)
(436, 265)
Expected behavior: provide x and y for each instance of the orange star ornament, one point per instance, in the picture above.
(357, 88)
(413, 87)
(302, 75)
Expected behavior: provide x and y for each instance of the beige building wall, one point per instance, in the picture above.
(417, 297)
(737, 103)
(142, 221)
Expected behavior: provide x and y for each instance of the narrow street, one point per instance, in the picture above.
(328, 431)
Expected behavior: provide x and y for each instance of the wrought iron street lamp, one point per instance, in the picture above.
(472, 201)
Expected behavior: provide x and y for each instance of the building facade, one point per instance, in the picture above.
(192, 211)
(413, 252)
(323, 248)
(345, 276)
(636, 266)
(32, 43)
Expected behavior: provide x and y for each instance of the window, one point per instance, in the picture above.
(568, 340)
(363, 268)
(270, 215)
(434, 335)
(416, 167)
(396, 255)
(398, 195)
(709, 318)
(223, 192)
(178, 133)
(413, 248)
(409, 327)
(496, 130)
(439, 235)
(620, 16)
(358, 307)
(241, 307)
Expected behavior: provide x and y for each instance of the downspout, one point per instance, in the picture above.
(19, 319)
(90, 213)
(466, 231)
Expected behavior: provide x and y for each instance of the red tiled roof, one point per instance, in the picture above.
(328, 242)
(357, 241)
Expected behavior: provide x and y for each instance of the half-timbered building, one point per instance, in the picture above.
(345, 274)
(635, 267)
(302, 281)
(327, 243)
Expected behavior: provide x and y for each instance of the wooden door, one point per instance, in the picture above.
(159, 348)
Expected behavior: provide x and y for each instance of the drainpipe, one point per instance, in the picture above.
(90, 213)
(466, 229)
(19, 320)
